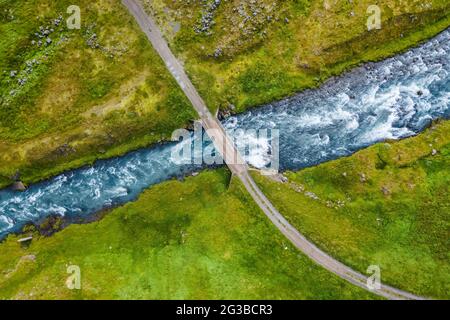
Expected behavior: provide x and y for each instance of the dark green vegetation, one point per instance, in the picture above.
(193, 240)
(254, 52)
(388, 205)
(87, 94)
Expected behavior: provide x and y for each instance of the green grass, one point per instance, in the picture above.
(387, 205)
(92, 102)
(263, 60)
(193, 240)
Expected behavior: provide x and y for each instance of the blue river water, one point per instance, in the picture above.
(392, 99)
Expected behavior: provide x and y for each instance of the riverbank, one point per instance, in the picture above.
(251, 54)
(393, 99)
(200, 239)
(386, 205)
(50, 154)
(71, 97)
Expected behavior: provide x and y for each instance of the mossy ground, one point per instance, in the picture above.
(81, 101)
(256, 52)
(193, 240)
(388, 205)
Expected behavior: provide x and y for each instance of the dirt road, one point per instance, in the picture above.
(224, 144)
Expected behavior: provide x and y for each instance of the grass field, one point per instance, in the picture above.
(193, 240)
(89, 93)
(387, 205)
(245, 53)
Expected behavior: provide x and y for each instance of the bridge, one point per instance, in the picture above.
(224, 144)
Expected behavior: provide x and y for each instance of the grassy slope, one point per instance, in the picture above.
(398, 218)
(265, 60)
(191, 240)
(80, 103)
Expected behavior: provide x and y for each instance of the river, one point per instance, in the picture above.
(392, 99)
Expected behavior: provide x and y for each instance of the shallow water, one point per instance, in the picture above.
(393, 99)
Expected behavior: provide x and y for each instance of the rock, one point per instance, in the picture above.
(65, 150)
(190, 126)
(207, 19)
(385, 191)
(304, 65)
(218, 53)
(18, 186)
(51, 225)
(362, 177)
(30, 257)
(312, 195)
(22, 81)
(223, 114)
(298, 188)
